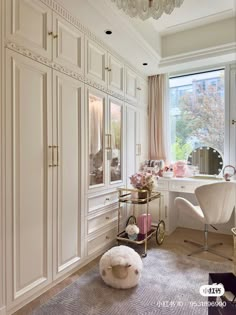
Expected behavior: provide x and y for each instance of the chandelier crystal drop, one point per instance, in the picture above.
(147, 8)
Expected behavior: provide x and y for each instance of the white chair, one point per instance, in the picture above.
(216, 204)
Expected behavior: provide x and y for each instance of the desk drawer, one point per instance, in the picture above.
(102, 220)
(101, 201)
(162, 185)
(182, 187)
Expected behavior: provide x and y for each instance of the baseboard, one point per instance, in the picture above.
(3, 310)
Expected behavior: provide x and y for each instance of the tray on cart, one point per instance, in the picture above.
(141, 238)
(133, 196)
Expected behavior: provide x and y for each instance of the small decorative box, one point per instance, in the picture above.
(144, 223)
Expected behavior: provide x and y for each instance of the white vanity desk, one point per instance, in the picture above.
(173, 187)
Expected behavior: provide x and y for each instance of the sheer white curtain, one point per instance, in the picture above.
(158, 117)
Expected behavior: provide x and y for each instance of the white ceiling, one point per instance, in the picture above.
(140, 41)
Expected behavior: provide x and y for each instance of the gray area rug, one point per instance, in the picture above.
(169, 285)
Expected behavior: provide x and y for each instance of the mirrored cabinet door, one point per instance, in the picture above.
(96, 133)
(115, 142)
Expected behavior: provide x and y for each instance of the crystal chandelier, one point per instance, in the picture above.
(147, 8)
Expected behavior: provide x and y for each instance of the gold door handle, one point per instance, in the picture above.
(50, 33)
(55, 155)
(138, 88)
(109, 69)
(233, 121)
(106, 68)
(55, 36)
(50, 156)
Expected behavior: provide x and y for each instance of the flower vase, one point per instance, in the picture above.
(144, 194)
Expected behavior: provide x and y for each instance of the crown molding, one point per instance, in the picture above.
(212, 52)
(198, 22)
(64, 13)
(55, 66)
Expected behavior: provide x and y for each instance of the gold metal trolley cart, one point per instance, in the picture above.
(137, 197)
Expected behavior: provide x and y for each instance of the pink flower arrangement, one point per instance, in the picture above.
(142, 181)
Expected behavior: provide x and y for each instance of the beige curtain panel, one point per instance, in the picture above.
(156, 107)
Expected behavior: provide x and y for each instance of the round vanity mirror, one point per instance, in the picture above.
(207, 160)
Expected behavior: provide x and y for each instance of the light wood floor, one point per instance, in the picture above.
(174, 242)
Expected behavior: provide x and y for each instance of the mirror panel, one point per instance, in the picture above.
(208, 160)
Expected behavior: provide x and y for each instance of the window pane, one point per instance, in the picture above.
(197, 112)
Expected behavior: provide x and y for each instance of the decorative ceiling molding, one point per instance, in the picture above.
(55, 66)
(60, 10)
(198, 22)
(207, 53)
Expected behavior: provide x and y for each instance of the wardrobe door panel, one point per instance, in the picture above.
(96, 62)
(68, 48)
(29, 179)
(29, 24)
(68, 98)
(96, 144)
(115, 153)
(115, 75)
(131, 81)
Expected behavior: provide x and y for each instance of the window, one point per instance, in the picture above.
(197, 112)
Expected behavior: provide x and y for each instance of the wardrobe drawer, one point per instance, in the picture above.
(98, 202)
(182, 187)
(101, 241)
(102, 220)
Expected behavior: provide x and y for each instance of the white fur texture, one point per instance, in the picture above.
(121, 256)
(132, 229)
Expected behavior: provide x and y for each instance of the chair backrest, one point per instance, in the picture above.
(217, 201)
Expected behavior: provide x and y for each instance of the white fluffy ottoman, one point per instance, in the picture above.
(120, 267)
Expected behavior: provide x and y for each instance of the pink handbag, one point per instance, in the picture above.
(144, 223)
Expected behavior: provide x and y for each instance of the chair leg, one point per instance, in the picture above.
(218, 254)
(206, 247)
(215, 244)
(197, 251)
(193, 243)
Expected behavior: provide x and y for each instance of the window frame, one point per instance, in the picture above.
(229, 147)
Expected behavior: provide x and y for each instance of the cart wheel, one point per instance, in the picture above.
(144, 255)
(131, 220)
(160, 233)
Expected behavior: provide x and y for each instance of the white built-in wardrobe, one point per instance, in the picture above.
(53, 220)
